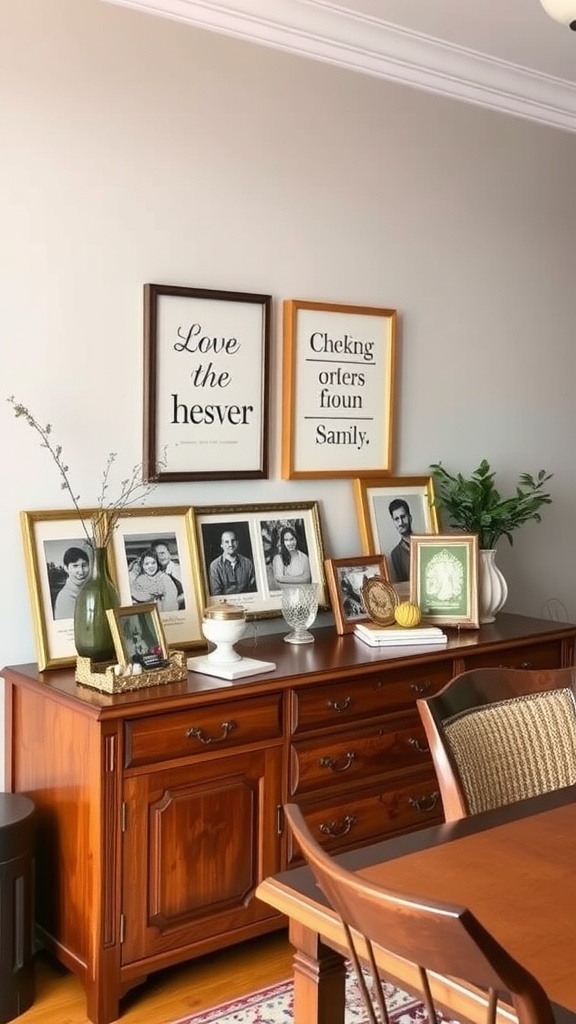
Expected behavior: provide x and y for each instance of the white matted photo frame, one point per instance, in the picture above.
(389, 511)
(206, 382)
(345, 578)
(338, 390)
(153, 561)
(248, 553)
(444, 579)
(58, 562)
(138, 636)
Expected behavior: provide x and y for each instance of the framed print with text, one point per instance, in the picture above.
(389, 511)
(338, 390)
(248, 553)
(346, 578)
(58, 563)
(444, 579)
(152, 551)
(206, 377)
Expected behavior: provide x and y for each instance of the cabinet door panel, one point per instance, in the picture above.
(199, 839)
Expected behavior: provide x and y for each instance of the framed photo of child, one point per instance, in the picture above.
(58, 560)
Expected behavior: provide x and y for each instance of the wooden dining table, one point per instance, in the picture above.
(515, 868)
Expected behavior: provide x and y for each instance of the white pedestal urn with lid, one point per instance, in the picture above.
(492, 587)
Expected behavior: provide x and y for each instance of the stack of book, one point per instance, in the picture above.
(396, 636)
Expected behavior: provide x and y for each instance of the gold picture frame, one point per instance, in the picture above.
(167, 532)
(444, 579)
(138, 636)
(262, 569)
(48, 538)
(380, 600)
(338, 390)
(380, 526)
(345, 578)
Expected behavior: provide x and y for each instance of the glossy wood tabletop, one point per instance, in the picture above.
(513, 867)
(519, 879)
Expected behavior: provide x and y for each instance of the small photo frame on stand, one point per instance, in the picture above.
(346, 578)
(138, 636)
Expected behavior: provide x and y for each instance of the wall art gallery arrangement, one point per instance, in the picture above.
(206, 410)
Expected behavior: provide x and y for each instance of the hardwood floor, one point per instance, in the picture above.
(168, 995)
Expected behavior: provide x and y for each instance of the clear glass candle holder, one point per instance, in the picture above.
(300, 608)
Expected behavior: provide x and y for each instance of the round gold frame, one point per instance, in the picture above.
(379, 599)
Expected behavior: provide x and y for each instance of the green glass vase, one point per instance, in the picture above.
(92, 636)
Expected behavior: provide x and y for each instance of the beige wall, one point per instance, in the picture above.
(137, 149)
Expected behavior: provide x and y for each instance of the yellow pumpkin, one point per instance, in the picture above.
(407, 614)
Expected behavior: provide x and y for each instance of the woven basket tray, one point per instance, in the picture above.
(101, 676)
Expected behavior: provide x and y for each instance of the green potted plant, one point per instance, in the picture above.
(473, 504)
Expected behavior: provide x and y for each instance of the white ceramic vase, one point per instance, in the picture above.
(492, 587)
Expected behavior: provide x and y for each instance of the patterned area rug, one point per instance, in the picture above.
(273, 1005)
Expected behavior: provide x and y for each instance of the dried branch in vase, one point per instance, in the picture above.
(133, 490)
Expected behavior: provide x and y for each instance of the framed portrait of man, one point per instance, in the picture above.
(389, 512)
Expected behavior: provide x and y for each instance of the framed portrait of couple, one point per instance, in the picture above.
(247, 554)
(390, 510)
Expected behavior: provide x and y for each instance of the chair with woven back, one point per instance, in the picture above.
(499, 735)
(436, 936)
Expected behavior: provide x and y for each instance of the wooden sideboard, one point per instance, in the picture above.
(160, 810)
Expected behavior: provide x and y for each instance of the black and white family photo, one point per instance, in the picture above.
(228, 558)
(285, 552)
(154, 570)
(68, 564)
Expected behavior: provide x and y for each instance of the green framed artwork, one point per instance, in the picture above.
(444, 578)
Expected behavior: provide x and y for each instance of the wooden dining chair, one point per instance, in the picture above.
(439, 937)
(498, 735)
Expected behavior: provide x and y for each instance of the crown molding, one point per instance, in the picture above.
(323, 30)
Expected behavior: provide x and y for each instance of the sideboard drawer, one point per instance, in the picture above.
(368, 752)
(202, 729)
(349, 821)
(320, 707)
(548, 655)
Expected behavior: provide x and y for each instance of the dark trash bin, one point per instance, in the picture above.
(17, 815)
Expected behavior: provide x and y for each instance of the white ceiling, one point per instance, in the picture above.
(504, 54)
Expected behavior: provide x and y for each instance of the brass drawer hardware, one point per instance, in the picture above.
(424, 803)
(336, 829)
(338, 766)
(339, 705)
(198, 734)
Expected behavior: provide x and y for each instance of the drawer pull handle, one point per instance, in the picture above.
(338, 766)
(335, 829)
(413, 741)
(422, 687)
(424, 803)
(198, 734)
(340, 705)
